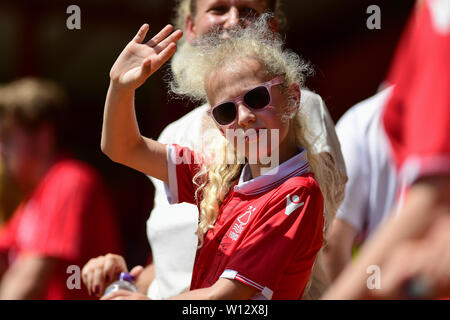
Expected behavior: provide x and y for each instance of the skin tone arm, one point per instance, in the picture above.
(223, 289)
(98, 272)
(338, 251)
(427, 201)
(27, 278)
(428, 265)
(121, 139)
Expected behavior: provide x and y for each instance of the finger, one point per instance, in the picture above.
(88, 283)
(114, 264)
(136, 271)
(164, 55)
(89, 274)
(85, 274)
(97, 281)
(115, 294)
(125, 298)
(174, 37)
(131, 296)
(397, 273)
(146, 68)
(160, 36)
(140, 35)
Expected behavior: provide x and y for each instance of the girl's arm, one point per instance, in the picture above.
(121, 139)
(223, 289)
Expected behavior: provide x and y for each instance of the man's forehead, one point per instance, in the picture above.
(236, 2)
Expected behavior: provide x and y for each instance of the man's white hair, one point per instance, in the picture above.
(258, 41)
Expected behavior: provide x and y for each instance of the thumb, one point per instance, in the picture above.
(146, 68)
(136, 271)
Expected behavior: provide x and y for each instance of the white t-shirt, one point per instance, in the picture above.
(372, 185)
(171, 228)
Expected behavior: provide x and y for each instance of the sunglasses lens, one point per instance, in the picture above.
(257, 98)
(225, 113)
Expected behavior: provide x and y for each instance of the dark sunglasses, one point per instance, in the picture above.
(259, 97)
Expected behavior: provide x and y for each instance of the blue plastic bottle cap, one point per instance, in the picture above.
(125, 276)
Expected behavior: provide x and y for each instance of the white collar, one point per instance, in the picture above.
(295, 166)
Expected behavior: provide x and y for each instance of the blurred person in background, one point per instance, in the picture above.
(9, 196)
(65, 215)
(372, 184)
(411, 248)
(171, 228)
(9, 199)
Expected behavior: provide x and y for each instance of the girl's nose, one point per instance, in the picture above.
(245, 116)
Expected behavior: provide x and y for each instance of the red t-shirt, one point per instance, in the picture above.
(68, 216)
(268, 232)
(417, 116)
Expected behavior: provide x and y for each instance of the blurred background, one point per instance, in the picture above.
(350, 63)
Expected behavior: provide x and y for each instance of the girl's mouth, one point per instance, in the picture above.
(254, 134)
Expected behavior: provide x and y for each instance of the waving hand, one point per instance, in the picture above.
(140, 60)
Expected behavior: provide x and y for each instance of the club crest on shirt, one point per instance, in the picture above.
(292, 203)
(242, 221)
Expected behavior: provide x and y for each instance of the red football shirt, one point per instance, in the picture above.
(68, 216)
(268, 232)
(417, 117)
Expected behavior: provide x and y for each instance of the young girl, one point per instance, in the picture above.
(261, 224)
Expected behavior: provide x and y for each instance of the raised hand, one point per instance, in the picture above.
(139, 60)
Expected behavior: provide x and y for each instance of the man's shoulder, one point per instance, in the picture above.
(366, 110)
(309, 97)
(312, 105)
(307, 93)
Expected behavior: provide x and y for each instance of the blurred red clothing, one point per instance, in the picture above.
(67, 216)
(417, 116)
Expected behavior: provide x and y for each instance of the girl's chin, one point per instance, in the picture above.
(257, 155)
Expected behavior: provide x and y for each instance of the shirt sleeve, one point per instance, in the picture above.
(182, 165)
(283, 242)
(417, 117)
(354, 207)
(52, 221)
